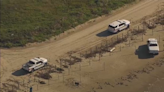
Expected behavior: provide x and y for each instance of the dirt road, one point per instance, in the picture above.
(12, 59)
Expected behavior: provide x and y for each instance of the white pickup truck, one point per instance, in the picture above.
(34, 64)
(153, 46)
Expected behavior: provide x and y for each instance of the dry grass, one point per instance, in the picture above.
(138, 31)
(104, 47)
(45, 73)
(70, 61)
(149, 24)
(161, 19)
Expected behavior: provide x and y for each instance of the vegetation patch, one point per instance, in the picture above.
(149, 25)
(103, 48)
(45, 73)
(138, 31)
(161, 19)
(28, 21)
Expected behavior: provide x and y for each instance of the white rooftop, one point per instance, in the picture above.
(115, 23)
(35, 59)
(152, 39)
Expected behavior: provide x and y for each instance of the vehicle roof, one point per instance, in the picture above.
(152, 40)
(35, 59)
(117, 22)
(124, 20)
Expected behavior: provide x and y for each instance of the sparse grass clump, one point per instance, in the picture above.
(44, 75)
(138, 31)
(119, 40)
(150, 25)
(161, 19)
(45, 72)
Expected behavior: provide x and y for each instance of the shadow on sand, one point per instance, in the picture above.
(104, 34)
(20, 72)
(143, 52)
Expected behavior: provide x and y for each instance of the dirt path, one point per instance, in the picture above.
(12, 59)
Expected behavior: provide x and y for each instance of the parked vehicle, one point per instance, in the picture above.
(34, 64)
(118, 26)
(153, 46)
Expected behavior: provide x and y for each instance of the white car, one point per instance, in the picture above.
(118, 26)
(153, 46)
(34, 64)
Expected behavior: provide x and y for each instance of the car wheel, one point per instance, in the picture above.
(128, 26)
(156, 54)
(45, 64)
(32, 70)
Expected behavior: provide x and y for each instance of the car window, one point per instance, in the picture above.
(39, 62)
(30, 62)
(153, 44)
(112, 26)
(121, 24)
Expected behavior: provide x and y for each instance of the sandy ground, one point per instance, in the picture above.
(94, 77)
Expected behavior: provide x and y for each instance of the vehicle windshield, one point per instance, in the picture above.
(30, 62)
(153, 44)
(112, 26)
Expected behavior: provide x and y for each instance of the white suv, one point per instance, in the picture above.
(153, 46)
(118, 25)
(34, 64)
